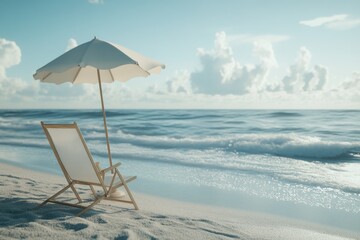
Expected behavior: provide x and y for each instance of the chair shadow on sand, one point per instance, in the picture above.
(19, 212)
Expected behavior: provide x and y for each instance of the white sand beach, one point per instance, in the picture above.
(21, 190)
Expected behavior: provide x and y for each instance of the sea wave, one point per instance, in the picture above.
(286, 145)
(293, 145)
(284, 114)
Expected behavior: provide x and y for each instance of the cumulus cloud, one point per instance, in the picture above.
(13, 89)
(226, 83)
(71, 44)
(222, 73)
(347, 92)
(301, 77)
(180, 83)
(353, 84)
(337, 22)
(10, 55)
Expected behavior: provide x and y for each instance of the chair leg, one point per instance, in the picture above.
(90, 206)
(55, 195)
(127, 190)
(76, 194)
(93, 191)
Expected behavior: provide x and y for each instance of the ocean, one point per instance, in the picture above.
(296, 163)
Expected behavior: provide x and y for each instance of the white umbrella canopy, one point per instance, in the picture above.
(114, 62)
(99, 62)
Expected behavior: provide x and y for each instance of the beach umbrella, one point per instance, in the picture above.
(98, 62)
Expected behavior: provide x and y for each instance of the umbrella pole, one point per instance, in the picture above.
(105, 126)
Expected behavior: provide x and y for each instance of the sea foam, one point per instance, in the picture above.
(286, 145)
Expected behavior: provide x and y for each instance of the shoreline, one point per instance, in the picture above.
(158, 217)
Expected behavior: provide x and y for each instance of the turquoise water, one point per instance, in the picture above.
(303, 164)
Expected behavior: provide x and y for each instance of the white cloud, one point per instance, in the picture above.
(223, 82)
(221, 73)
(347, 92)
(264, 51)
(10, 53)
(180, 83)
(301, 77)
(96, 1)
(353, 84)
(336, 22)
(71, 44)
(316, 22)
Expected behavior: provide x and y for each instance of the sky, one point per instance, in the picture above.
(222, 54)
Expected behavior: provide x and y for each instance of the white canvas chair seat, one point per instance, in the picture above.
(79, 168)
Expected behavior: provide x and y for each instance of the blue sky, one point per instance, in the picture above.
(218, 53)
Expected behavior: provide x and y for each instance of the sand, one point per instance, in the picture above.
(21, 190)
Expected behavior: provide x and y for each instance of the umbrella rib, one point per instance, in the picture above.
(47, 75)
(76, 75)
(142, 68)
(112, 76)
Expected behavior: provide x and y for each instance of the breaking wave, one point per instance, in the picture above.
(286, 145)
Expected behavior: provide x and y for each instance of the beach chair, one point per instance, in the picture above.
(79, 168)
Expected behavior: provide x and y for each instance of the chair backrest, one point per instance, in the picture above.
(71, 152)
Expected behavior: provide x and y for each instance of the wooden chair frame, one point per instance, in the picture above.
(107, 189)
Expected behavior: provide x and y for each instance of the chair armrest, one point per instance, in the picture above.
(110, 168)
